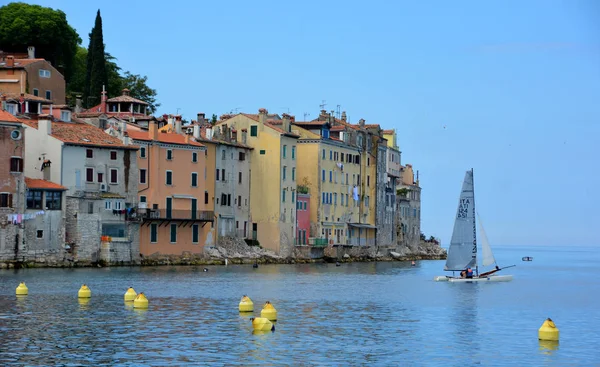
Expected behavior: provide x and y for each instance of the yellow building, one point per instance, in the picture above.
(273, 178)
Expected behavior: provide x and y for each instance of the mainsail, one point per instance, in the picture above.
(486, 250)
(462, 253)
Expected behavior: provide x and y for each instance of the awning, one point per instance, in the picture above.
(176, 196)
(360, 225)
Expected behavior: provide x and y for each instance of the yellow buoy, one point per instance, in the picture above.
(84, 292)
(22, 289)
(246, 304)
(83, 301)
(548, 331)
(140, 301)
(269, 312)
(262, 324)
(130, 295)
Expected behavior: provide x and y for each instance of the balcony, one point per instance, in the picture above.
(317, 242)
(178, 215)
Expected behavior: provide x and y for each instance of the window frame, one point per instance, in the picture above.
(110, 178)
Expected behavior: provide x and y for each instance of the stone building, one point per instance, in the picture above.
(408, 208)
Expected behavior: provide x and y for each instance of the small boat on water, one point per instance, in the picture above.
(527, 258)
(462, 253)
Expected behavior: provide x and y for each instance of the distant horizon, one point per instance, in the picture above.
(510, 89)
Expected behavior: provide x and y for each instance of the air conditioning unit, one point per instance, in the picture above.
(103, 187)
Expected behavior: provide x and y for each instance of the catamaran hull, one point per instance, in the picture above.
(491, 278)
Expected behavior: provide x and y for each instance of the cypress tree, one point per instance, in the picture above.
(96, 64)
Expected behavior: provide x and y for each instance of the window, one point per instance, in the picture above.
(330, 155)
(262, 152)
(223, 175)
(113, 155)
(325, 133)
(169, 178)
(173, 233)
(44, 73)
(323, 155)
(107, 205)
(223, 154)
(330, 176)
(335, 198)
(368, 180)
(239, 177)
(217, 174)
(284, 153)
(293, 196)
(143, 152)
(114, 176)
(90, 208)
(305, 205)
(36, 92)
(293, 173)
(153, 233)
(323, 176)
(228, 199)
(169, 154)
(194, 179)
(16, 164)
(118, 205)
(283, 196)
(142, 199)
(34, 199)
(194, 157)
(40, 233)
(195, 233)
(242, 156)
(293, 152)
(283, 173)
(49, 94)
(100, 177)
(142, 176)
(205, 197)
(89, 174)
(253, 130)
(5, 200)
(89, 153)
(368, 161)
(53, 200)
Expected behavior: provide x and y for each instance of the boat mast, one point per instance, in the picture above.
(474, 224)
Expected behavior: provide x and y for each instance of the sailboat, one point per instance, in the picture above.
(462, 254)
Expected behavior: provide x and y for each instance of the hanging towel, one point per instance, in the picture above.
(355, 193)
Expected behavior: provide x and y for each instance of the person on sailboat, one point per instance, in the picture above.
(469, 273)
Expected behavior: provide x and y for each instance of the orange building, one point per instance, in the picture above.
(175, 200)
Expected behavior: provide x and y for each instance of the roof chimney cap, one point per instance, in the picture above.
(125, 91)
(31, 52)
(263, 110)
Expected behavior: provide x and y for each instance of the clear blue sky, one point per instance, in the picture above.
(516, 84)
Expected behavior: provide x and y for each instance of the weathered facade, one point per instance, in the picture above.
(408, 226)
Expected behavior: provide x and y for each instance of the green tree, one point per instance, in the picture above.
(78, 79)
(23, 25)
(96, 77)
(138, 88)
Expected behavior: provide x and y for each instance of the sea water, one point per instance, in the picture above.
(357, 314)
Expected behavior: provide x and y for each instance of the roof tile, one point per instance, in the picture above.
(169, 138)
(35, 183)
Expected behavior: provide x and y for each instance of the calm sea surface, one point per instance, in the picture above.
(384, 314)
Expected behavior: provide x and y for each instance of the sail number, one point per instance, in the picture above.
(463, 208)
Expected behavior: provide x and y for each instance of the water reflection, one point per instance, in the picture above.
(464, 319)
(548, 346)
(84, 303)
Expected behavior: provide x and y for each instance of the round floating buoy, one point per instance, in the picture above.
(140, 301)
(548, 331)
(22, 289)
(83, 301)
(262, 324)
(130, 295)
(84, 292)
(269, 312)
(246, 304)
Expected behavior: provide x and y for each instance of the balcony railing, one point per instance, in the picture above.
(319, 242)
(176, 214)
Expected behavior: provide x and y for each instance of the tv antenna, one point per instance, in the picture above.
(306, 114)
(323, 104)
(235, 110)
(286, 108)
(338, 113)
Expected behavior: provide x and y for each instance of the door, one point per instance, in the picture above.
(254, 231)
(169, 208)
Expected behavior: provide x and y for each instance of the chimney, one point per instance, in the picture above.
(187, 139)
(45, 124)
(170, 121)
(286, 125)
(361, 123)
(262, 117)
(103, 100)
(46, 170)
(209, 133)
(197, 132)
(10, 61)
(322, 115)
(201, 117)
(3, 103)
(78, 104)
(152, 130)
(344, 116)
(31, 52)
(125, 91)
(331, 119)
(178, 124)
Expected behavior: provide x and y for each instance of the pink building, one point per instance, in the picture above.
(303, 219)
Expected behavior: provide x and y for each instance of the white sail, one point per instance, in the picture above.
(486, 250)
(462, 253)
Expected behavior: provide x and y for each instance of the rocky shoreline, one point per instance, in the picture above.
(234, 251)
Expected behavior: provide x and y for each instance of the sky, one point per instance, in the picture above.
(508, 88)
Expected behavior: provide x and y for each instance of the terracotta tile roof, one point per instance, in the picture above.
(35, 183)
(268, 124)
(7, 117)
(124, 98)
(20, 63)
(338, 128)
(169, 138)
(28, 97)
(389, 132)
(74, 133)
(371, 126)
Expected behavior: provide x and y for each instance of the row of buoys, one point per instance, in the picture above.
(139, 300)
(268, 314)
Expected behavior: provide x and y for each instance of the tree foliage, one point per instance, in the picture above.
(138, 88)
(23, 25)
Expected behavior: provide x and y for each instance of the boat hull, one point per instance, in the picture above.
(491, 278)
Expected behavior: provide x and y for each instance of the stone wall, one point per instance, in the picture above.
(385, 210)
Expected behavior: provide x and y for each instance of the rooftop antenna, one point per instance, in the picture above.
(338, 112)
(235, 110)
(323, 104)
(306, 114)
(286, 108)
(177, 111)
